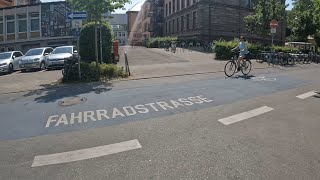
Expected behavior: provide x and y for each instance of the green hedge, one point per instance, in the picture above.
(155, 42)
(90, 72)
(223, 49)
(87, 42)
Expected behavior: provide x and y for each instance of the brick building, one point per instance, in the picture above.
(211, 19)
(146, 23)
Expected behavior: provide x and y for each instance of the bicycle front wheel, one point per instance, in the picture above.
(230, 68)
(246, 67)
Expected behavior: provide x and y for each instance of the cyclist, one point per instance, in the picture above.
(243, 50)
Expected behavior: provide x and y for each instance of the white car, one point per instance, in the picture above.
(9, 61)
(35, 59)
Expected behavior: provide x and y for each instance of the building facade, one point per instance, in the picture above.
(8, 3)
(146, 23)
(134, 33)
(38, 25)
(211, 20)
(119, 24)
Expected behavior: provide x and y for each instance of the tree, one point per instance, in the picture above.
(264, 11)
(87, 42)
(304, 20)
(96, 9)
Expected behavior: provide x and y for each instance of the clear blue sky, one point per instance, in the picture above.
(133, 2)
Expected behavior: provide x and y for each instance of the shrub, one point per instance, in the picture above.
(155, 42)
(87, 42)
(223, 49)
(90, 72)
(110, 71)
(285, 49)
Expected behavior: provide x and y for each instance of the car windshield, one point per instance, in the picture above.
(5, 55)
(60, 50)
(34, 52)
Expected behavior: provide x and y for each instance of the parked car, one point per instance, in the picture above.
(9, 61)
(35, 59)
(60, 54)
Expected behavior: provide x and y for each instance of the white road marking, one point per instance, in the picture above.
(306, 95)
(83, 154)
(245, 115)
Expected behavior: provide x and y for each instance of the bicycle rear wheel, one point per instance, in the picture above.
(291, 61)
(246, 67)
(230, 68)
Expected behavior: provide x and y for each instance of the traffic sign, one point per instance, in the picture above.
(274, 24)
(77, 24)
(77, 15)
(273, 30)
(76, 32)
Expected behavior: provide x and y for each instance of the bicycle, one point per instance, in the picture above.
(231, 67)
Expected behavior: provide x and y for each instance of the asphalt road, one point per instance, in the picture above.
(166, 128)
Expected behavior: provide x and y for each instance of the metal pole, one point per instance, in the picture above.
(101, 43)
(209, 20)
(272, 40)
(96, 44)
(78, 43)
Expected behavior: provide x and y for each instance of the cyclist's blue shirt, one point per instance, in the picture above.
(243, 48)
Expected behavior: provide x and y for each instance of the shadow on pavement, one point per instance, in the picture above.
(51, 93)
(243, 77)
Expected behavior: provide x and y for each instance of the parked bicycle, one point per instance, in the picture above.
(232, 66)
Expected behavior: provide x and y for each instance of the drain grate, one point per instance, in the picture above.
(72, 101)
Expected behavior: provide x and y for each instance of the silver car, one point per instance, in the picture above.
(9, 61)
(35, 59)
(59, 55)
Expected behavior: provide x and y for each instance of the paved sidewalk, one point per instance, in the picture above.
(143, 65)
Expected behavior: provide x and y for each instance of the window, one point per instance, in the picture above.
(194, 20)
(182, 23)
(173, 25)
(1, 25)
(10, 48)
(177, 24)
(17, 54)
(35, 23)
(182, 4)
(178, 5)
(193, 1)
(166, 27)
(188, 3)
(123, 34)
(174, 6)
(166, 9)
(248, 4)
(49, 50)
(10, 24)
(188, 19)
(169, 27)
(169, 8)
(22, 22)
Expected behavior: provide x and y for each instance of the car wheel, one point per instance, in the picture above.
(42, 66)
(10, 70)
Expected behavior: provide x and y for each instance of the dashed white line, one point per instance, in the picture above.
(83, 154)
(245, 115)
(306, 95)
